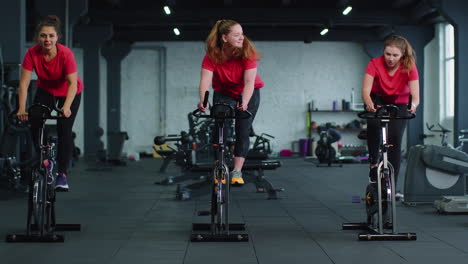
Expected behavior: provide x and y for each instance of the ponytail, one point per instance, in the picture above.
(214, 43)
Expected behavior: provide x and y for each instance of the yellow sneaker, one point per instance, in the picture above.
(236, 178)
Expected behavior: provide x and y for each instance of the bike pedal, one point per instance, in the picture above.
(223, 181)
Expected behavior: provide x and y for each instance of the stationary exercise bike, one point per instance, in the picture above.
(219, 229)
(41, 222)
(462, 136)
(444, 134)
(324, 151)
(380, 195)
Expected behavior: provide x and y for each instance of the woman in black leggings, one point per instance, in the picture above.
(57, 79)
(392, 78)
(230, 67)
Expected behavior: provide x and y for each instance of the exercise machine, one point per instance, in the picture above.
(219, 229)
(41, 222)
(325, 152)
(380, 195)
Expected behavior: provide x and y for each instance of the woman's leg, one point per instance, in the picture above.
(396, 129)
(243, 126)
(64, 135)
(374, 136)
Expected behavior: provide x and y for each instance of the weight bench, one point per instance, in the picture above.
(167, 155)
(256, 176)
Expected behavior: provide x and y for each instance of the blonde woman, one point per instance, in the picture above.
(390, 79)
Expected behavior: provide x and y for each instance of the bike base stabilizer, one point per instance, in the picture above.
(202, 233)
(21, 238)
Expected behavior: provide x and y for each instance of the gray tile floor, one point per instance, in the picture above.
(125, 218)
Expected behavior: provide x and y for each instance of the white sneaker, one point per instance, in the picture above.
(399, 196)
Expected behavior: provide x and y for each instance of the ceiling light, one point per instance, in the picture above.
(347, 10)
(324, 31)
(167, 10)
(176, 31)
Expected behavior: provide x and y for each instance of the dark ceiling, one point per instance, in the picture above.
(288, 20)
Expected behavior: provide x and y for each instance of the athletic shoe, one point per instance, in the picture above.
(399, 196)
(61, 183)
(236, 178)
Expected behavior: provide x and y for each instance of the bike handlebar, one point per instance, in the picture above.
(217, 112)
(48, 112)
(442, 129)
(388, 111)
(15, 124)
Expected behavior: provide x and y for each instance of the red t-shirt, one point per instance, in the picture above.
(393, 89)
(228, 77)
(51, 75)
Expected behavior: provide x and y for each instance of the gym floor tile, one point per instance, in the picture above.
(132, 220)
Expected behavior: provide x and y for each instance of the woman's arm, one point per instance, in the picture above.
(206, 77)
(414, 91)
(366, 91)
(72, 80)
(249, 81)
(25, 79)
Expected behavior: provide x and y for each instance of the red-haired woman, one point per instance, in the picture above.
(390, 79)
(230, 67)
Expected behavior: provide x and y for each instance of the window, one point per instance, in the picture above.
(447, 98)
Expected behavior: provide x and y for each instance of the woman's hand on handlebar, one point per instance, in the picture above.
(242, 107)
(412, 110)
(22, 115)
(66, 112)
(370, 107)
(201, 108)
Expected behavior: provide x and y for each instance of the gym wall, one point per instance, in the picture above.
(294, 74)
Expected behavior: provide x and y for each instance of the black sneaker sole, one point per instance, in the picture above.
(61, 189)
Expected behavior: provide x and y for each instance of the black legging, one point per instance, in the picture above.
(64, 126)
(243, 126)
(396, 129)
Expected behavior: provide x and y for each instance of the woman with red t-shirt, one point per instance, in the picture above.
(230, 67)
(390, 79)
(57, 81)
